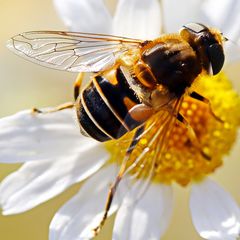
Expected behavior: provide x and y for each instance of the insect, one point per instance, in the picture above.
(132, 80)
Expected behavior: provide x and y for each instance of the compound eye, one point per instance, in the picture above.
(195, 27)
(216, 57)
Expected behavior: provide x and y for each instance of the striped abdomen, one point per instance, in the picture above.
(104, 105)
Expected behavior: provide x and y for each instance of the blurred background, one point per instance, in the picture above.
(24, 85)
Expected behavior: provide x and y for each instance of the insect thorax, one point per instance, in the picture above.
(173, 63)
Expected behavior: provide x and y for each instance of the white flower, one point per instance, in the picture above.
(55, 155)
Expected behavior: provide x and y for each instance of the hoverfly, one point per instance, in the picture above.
(132, 79)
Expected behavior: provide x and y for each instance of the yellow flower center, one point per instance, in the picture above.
(182, 161)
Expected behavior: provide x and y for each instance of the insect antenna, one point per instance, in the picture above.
(232, 49)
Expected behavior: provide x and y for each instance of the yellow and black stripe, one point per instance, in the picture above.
(103, 106)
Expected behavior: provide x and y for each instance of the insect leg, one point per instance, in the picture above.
(77, 85)
(192, 135)
(113, 187)
(56, 109)
(199, 97)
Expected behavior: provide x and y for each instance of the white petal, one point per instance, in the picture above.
(214, 213)
(177, 13)
(146, 218)
(37, 182)
(225, 16)
(26, 137)
(137, 19)
(76, 219)
(85, 15)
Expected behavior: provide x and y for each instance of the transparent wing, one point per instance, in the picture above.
(151, 145)
(70, 51)
(140, 157)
